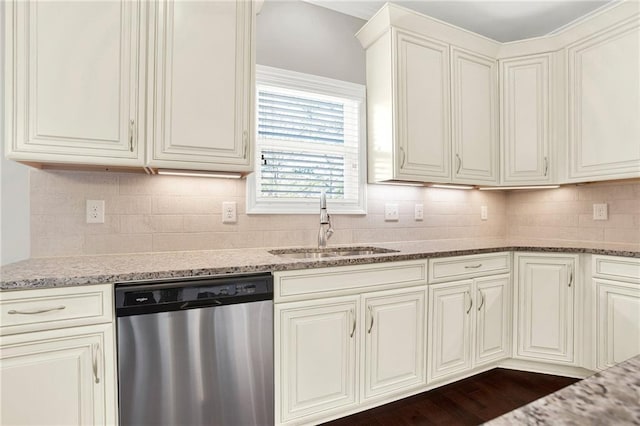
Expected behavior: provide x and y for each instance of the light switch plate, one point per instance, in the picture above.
(229, 212)
(95, 211)
(600, 212)
(484, 212)
(391, 212)
(419, 212)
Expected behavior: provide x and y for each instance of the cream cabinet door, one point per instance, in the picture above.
(474, 107)
(316, 355)
(618, 321)
(394, 327)
(61, 377)
(201, 99)
(72, 85)
(492, 319)
(525, 109)
(545, 303)
(423, 118)
(449, 339)
(604, 104)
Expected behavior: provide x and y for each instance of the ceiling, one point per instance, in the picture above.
(505, 20)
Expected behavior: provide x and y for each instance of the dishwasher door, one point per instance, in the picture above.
(205, 366)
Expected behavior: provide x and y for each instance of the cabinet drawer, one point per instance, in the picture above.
(34, 310)
(460, 267)
(315, 283)
(616, 268)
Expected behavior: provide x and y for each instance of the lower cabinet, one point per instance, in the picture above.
(53, 373)
(617, 305)
(544, 307)
(468, 325)
(335, 355)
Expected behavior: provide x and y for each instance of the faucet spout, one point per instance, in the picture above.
(326, 230)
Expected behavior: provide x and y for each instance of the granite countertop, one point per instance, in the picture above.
(81, 270)
(610, 397)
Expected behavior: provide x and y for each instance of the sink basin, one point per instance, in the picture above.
(314, 253)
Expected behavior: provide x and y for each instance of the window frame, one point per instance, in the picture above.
(293, 80)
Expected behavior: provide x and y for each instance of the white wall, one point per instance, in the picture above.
(299, 36)
(14, 191)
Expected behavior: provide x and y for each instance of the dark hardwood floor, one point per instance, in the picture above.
(470, 401)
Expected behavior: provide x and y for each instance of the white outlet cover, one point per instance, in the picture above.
(484, 212)
(419, 212)
(95, 211)
(600, 212)
(229, 212)
(391, 212)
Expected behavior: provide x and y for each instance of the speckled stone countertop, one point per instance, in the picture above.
(611, 397)
(81, 270)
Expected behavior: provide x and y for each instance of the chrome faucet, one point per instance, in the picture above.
(326, 231)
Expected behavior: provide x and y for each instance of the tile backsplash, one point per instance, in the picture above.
(165, 213)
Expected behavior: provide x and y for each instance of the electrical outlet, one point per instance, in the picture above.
(229, 213)
(600, 212)
(419, 212)
(391, 212)
(484, 213)
(95, 211)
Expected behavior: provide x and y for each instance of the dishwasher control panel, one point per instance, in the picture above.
(187, 293)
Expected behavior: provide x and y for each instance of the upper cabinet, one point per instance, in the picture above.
(106, 90)
(525, 109)
(604, 104)
(201, 92)
(72, 93)
(432, 106)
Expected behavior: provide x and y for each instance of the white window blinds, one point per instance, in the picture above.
(309, 138)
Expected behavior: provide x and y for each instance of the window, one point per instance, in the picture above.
(310, 138)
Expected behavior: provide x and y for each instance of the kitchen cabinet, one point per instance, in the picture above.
(432, 108)
(616, 282)
(73, 92)
(604, 104)
(348, 338)
(469, 325)
(67, 372)
(544, 305)
(201, 93)
(474, 107)
(525, 112)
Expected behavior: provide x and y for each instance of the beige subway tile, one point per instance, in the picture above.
(136, 224)
(127, 204)
(50, 226)
(58, 204)
(118, 243)
(57, 246)
(624, 206)
(614, 221)
(618, 235)
(208, 223)
(136, 184)
(167, 223)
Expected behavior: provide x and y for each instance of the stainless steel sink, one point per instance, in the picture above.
(314, 253)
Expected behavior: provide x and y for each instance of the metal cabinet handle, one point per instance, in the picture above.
(36, 311)
(570, 277)
(132, 128)
(481, 300)
(370, 314)
(404, 158)
(459, 163)
(546, 165)
(470, 304)
(353, 327)
(473, 266)
(95, 349)
(244, 144)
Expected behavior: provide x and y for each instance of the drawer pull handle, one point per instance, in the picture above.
(353, 329)
(132, 129)
(370, 325)
(473, 266)
(546, 165)
(570, 278)
(459, 163)
(470, 304)
(481, 300)
(36, 311)
(95, 348)
(404, 158)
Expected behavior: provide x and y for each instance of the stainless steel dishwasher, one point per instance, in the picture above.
(196, 351)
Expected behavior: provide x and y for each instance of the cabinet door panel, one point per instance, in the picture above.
(545, 308)
(474, 117)
(618, 316)
(450, 329)
(317, 358)
(493, 314)
(202, 85)
(604, 104)
(56, 372)
(525, 102)
(394, 345)
(423, 108)
(74, 85)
